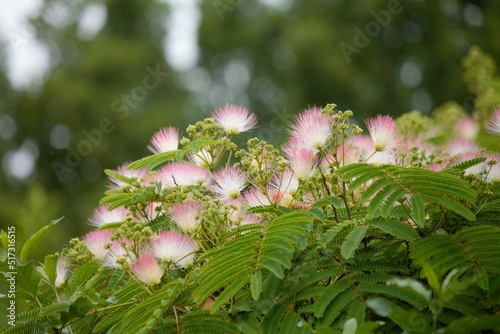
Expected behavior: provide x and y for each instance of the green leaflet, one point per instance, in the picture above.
(478, 244)
(153, 161)
(466, 164)
(396, 228)
(418, 210)
(34, 239)
(273, 318)
(390, 183)
(352, 241)
(474, 324)
(329, 294)
(204, 322)
(256, 285)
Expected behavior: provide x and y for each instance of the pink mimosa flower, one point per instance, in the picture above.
(366, 152)
(438, 167)
(185, 214)
(492, 125)
(302, 160)
(96, 242)
(468, 128)
(282, 199)
(151, 212)
(228, 182)
(165, 140)
(182, 174)
(285, 182)
(312, 129)
(254, 197)
(493, 168)
(474, 170)
(117, 252)
(383, 132)
(250, 219)
(459, 146)
(201, 159)
(61, 270)
(103, 216)
(173, 246)
(345, 155)
(237, 211)
(235, 119)
(147, 269)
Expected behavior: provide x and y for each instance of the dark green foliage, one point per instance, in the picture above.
(303, 272)
(255, 251)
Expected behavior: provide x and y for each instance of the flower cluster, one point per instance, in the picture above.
(190, 205)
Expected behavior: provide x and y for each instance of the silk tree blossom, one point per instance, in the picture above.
(165, 140)
(492, 125)
(147, 269)
(174, 247)
(365, 151)
(383, 158)
(285, 182)
(425, 149)
(118, 254)
(302, 160)
(254, 197)
(345, 156)
(467, 128)
(186, 214)
(383, 132)
(228, 182)
(459, 146)
(182, 174)
(493, 172)
(61, 271)
(361, 147)
(312, 129)
(477, 169)
(96, 242)
(236, 208)
(115, 183)
(250, 219)
(151, 212)
(235, 119)
(203, 158)
(489, 169)
(103, 216)
(437, 167)
(282, 199)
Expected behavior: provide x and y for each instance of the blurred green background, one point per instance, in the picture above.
(117, 71)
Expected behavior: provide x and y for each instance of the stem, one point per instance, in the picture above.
(344, 197)
(176, 320)
(328, 192)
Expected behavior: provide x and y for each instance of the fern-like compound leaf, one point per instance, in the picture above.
(352, 241)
